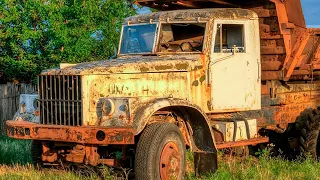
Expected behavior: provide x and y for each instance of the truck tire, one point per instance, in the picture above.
(36, 153)
(160, 153)
(309, 126)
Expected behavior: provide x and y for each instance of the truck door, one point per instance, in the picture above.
(235, 66)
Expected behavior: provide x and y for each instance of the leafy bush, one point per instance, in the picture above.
(36, 35)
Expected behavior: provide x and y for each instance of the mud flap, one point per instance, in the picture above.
(205, 162)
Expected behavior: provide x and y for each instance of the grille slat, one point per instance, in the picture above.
(51, 103)
(64, 98)
(46, 97)
(78, 97)
(60, 97)
(60, 100)
(72, 94)
(55, 103)
(41, 105)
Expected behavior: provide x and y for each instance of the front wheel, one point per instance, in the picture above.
(160, 153)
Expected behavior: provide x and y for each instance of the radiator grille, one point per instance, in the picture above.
(60, 100)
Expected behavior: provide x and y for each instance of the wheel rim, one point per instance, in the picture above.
(170, 161)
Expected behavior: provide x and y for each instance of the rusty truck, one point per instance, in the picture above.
(197, 75)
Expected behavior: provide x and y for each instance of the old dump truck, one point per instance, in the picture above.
(200, 75)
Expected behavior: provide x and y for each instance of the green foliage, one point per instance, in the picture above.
(36, 35)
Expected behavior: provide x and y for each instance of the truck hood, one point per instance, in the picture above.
(133, 64)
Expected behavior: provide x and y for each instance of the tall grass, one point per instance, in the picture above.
(14, 151)
(15, 159)
(19, 172)
(263, 168)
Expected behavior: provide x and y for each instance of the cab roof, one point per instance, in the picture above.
(192, 15)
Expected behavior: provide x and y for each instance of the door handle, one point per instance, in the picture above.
(259, 76)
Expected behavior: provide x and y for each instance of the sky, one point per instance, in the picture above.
(311, 10)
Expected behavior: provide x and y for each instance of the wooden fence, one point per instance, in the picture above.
(9, 100)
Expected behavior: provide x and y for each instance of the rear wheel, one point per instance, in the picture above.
(160, 153)
(309, 126)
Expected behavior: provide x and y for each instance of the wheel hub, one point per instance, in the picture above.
(170, 161)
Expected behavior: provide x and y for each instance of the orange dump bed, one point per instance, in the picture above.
(289, 50)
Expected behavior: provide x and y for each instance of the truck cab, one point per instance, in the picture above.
(223, 43)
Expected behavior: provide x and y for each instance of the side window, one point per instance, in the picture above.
(229, 37)
(182, 37)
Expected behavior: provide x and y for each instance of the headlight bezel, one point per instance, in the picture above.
(108, 107)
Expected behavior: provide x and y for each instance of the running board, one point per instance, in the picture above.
(252, 141)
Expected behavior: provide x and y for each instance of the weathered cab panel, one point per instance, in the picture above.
(289, 50)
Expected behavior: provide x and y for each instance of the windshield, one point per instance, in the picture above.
(138, 39)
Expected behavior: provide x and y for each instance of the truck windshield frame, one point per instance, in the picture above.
(142, 39)
(131, 44)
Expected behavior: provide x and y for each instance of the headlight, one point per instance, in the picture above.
(108, 107)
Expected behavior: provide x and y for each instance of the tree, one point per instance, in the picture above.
(39, 34)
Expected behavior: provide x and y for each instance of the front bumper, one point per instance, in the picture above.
(76, 134)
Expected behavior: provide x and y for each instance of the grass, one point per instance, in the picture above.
(14, 151)
(20, 172)
(15, 164)
(263, 168)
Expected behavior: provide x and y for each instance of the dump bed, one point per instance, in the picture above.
(289, 50)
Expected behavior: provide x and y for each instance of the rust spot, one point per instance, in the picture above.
(144, 69)
(195, 83)
(202, 78)
(197, 67)
(182, 66)
(164, 67)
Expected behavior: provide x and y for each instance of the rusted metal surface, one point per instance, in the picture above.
(183, 4)
(87, 135)
(170, 161)
(73, 98)
(281, 104)
(77, 154)
(132, 64)
(133, 83)
(92, 156)
(146, 81)
(252, 141)
(191, 15)
(171, 117)
(48, 155)
(283, 32)
(145, 111)
(54, 152)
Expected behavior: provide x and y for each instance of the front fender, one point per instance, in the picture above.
(146, 110)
